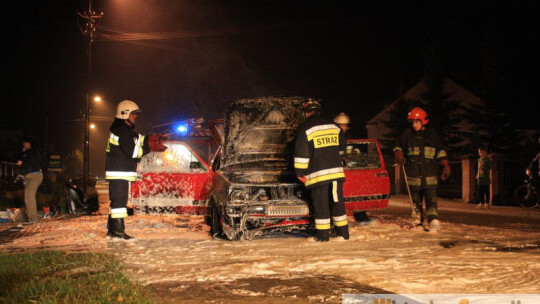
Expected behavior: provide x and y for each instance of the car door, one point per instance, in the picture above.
(367, 185)
(177, 180)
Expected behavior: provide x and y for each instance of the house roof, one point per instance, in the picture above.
(456, 92)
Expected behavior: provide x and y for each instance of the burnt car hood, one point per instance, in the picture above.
(259, 133)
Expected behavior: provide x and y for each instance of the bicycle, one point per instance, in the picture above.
(527, 195)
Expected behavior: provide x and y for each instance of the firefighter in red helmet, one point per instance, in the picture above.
(317, 162)
(420, 150)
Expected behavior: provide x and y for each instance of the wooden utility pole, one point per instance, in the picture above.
(90, 17)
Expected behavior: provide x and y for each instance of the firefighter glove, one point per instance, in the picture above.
(155, 143)
(446, 169)
(399, 158)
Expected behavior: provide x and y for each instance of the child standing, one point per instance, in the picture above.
(483, 180)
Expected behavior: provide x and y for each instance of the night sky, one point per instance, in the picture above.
(357, 56)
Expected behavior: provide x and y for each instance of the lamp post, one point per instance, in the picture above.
(90, 27)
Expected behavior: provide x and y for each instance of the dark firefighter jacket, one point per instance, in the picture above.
(319, 144)
(423, 150)
(124, 150)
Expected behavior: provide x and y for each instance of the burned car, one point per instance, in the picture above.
(254, 186)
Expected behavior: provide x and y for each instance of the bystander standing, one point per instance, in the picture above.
(30, 168)
(483, 180)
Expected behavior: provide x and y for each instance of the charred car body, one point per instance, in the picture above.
(254, 185)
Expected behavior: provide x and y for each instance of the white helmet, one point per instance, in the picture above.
(125, 108)
(342, 119)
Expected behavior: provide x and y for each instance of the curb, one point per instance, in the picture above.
(402, 201)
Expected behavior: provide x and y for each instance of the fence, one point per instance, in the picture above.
(508, 170)
(8, 171)
(512, 175)
(8, 174)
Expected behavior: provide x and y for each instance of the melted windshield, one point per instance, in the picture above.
(260, 130)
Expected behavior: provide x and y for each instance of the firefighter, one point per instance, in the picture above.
(125, 149)
(420, 149)
(343, 121)
(317, 162)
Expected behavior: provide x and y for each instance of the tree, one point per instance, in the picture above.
(398, 120)
(494, 128)
(445, 115)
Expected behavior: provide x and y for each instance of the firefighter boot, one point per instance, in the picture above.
(110, 228)
(119, 228)
(323, 235)
(434, 225)
(416, 219)
(343, 231)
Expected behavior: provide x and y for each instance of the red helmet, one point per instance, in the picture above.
(420, 114)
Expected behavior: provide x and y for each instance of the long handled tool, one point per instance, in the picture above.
(414, 213)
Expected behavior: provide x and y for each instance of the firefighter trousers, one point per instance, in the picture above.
(118, 194)
(328, 201)
(430, 197)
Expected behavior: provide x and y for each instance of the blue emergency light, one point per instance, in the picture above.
(180, 128)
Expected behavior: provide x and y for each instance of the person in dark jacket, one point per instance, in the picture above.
(424, 151)
(317, 162)
(125, 149)
(29, 161)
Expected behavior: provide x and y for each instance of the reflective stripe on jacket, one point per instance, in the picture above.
(423, 151)
(125, 149)
(317, 151)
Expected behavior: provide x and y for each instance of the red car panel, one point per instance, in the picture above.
(183, 191)
(367, 185)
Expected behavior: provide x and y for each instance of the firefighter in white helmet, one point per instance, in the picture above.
(125, 149)
(343, 121)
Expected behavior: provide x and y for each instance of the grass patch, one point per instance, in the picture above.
(58, 277)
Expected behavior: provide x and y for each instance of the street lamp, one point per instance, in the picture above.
(97, 98)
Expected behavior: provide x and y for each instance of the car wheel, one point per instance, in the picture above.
(217, 229)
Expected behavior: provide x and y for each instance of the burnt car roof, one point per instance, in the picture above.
(261, 129)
